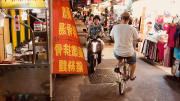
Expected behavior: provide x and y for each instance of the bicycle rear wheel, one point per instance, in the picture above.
(121, 87)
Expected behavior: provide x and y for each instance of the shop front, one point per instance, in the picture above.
(24, 49)
(37, 42)
(159, 29)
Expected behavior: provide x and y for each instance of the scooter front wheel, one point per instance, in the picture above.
(92, 65)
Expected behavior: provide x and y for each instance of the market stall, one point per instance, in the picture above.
(159, 29)
(25, 69)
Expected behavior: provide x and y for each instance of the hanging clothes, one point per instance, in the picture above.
(161, 50)
(171, 56)
(171, 32)
(166, 57)
(176, 38)
(165, 27)
(149, 49)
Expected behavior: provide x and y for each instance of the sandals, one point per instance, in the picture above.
(116, 70)
(133, 78)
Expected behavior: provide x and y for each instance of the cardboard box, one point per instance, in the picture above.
(2, 48)
(1, 30)
(6, 31)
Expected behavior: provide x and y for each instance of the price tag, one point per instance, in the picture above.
(24, 15)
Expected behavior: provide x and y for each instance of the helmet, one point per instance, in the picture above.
(96, 16)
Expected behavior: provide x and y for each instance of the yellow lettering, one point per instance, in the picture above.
(71, 66)
(58, 49)
(69, 29)
(64, 12)
(79, 66)
(74, 51)
(81, 54)
(62, 29)
(74, 31)
(67, 50)
(62, 66)
(68, 13)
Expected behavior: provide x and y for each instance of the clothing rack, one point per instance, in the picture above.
(152, 39)
(150, 52)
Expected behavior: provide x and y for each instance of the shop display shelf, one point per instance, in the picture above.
(40, 32)
(38, 63)
(40, 43)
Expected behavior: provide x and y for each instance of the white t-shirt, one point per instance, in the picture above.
(102, 19)
(123, 39)
(87, 18)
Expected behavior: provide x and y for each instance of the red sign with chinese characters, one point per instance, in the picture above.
(82, 2)
(68, 56)
(88, 2)
(97, 1)
(121, 2)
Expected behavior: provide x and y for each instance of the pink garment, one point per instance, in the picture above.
(161, 50)
(169, 60)
(89, 23)
(166, 57)
(160, 20)
(171, 31)
(165, 28)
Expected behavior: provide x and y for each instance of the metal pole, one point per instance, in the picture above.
(35, 18)
(51, 44)
(47, 38)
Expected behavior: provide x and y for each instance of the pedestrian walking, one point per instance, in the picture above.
(82, 17)
(84, 20)
(102, 19)
(87, 19)
(90, 21)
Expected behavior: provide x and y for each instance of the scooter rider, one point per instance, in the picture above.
(96, 29)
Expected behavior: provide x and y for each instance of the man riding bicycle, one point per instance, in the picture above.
(123, 36)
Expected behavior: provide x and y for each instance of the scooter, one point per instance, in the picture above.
(94, 52)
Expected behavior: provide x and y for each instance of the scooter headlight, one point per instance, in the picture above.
(94, 46)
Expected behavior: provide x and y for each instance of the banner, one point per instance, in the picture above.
(82, 2)
(88, 2)
(68, 56)
(97, 1)
(22, 3)
(143, 20)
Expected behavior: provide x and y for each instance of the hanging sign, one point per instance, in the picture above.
(88, 2)
(22, 4)
(16, 23)
(97, 1)
(82, 2)
(68, 56)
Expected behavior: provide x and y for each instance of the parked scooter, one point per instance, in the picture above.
(94, 52)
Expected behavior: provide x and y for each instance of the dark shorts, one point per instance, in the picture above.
(130, 60)
(102, 24)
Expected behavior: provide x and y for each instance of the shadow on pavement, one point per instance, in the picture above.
(147, 61)
(102, 92)
(173, 82)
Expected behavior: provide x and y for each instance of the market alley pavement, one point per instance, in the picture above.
(152, 83)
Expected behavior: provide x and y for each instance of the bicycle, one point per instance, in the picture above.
(123, 75)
